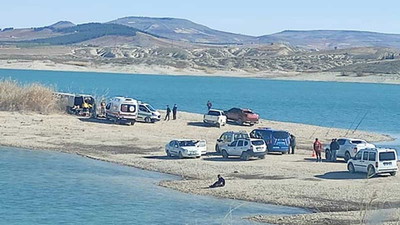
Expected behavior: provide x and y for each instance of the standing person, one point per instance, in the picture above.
(103, 108)
(292, 143)
(209, 105)
(334, 149)
(168, 112)
(318, 149)
(174, 111)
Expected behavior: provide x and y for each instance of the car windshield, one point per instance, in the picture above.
(280, 134)
(187, 143)
(150, 107)
(257, 142)
(386, 156)
(214, 113)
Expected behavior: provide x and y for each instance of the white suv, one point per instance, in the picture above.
(374, 161)
(215, 117)
(245, 148)
(348, 147)
(229, 137)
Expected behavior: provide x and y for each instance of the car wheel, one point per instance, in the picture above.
(370, 171)
(244, 156)
(169, 154)
(218, 125)
(147, 120)
(217, 149)
(350, 167)
(392, 173)
(262, 157)
(327, 154)
(240, 122)
(180, 155)
(132, 123)
(225, 154)
(347, 156)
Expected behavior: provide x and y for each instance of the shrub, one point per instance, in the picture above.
(32, 97)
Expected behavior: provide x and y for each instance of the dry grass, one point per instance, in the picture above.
(32, 97)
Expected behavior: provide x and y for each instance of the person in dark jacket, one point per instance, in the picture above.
(292, 143)
(174, 111)
(168, 112)
(219, 183)
(334, 147)
(209, 105)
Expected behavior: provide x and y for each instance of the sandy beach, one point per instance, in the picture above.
(81, 66)
(291, 180)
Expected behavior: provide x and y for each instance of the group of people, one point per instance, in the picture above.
(174, 112)
(333, 148)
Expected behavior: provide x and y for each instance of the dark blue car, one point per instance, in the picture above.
(276, 140)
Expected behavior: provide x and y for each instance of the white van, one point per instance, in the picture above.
(374, 161)
(122, 110)
(148, 113)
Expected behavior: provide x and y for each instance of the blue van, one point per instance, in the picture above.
(276, 140)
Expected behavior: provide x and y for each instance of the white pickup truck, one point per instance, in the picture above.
(215, 117)
(349, 147)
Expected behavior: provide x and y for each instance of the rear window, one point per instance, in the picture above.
(257, 142)
(386, 156)
(357, 142)
(128, 108)
(280, 134)
(214, 113)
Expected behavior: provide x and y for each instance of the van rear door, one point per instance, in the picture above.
(387, 161)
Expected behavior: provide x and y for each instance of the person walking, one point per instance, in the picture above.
(174, 111)
(209, 105)
(318, 149)
(168, 112)
(292, 143)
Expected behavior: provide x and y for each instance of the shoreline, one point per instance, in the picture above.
(113, 68)
(274, 180)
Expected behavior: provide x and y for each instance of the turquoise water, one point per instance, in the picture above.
(40, 187)
(330, 104)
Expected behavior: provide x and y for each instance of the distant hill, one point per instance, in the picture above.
(329, 39)
(85, 32)
(183, 30)
(62, 24)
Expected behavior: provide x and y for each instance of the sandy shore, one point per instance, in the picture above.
(291, 180)
(79, 66)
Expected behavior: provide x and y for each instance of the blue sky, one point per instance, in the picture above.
(246, 17)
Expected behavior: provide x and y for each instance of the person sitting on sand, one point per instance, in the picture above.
(219, 183)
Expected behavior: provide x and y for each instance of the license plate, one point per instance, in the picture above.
(387, 163)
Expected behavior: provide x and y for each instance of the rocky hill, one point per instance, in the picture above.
(183, 30)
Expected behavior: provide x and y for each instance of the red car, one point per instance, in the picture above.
(242, 116)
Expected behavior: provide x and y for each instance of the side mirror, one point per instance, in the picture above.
(219, 140)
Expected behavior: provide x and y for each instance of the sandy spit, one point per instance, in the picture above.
(80, 66)
(291, 180)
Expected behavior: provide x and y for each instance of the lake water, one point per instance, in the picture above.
(328, 104)
(40, 187)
